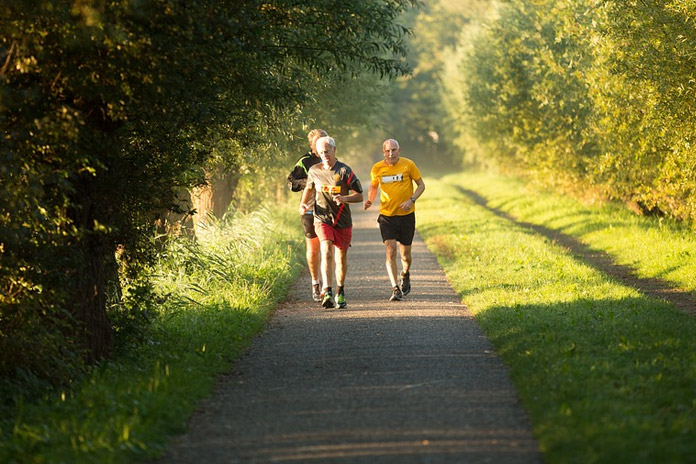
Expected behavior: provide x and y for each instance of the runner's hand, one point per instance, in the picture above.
(406, 205)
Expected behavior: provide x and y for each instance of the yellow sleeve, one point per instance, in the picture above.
(374, 175)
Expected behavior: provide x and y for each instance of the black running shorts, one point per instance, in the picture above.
(399, 228)
(308, 226)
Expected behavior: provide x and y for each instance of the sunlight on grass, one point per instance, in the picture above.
(654, 247)
(219, 291)
(606, 373)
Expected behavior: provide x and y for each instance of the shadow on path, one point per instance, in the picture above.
(379, 382)
(600, 260)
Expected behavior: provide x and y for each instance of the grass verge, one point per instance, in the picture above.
(606, 373)
(220, 291)
(650, 246)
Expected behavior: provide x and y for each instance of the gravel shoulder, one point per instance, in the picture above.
(377, 382)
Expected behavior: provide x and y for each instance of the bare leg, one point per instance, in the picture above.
(341, 266)
(327, 262)
(313, 257)
(390, 246)
(405, 257)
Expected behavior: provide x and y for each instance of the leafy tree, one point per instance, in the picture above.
(415, 113)
(647, 106)
(591, 95)
(110, 109)
(531, 101)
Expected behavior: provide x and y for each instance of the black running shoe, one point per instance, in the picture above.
(405, 283)
(327, 300)
(316, 293)
(396, 294)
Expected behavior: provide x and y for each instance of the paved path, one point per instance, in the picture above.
(378, 382)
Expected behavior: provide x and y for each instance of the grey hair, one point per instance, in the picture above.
(391, 140)
(327, 139)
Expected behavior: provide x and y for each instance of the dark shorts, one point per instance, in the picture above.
(341, 238)
(399, 228)
(308, 226)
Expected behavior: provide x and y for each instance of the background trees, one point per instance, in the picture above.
(590, 96)
(417, 106)
(110, 110)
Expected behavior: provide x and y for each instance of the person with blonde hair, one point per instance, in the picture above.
(297, 179)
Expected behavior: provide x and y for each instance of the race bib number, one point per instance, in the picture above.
(333, 189)
(394, 178)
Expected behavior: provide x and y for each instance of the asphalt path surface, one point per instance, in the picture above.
(413, 381)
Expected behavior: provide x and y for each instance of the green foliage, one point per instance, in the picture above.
(584, 95)
(215, 296)
(647, 105)
(605, 372)
(529, 103)
(109, 110)
(416, 113)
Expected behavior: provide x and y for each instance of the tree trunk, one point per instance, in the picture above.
(89, 304)
(92, 256)
(215, 198)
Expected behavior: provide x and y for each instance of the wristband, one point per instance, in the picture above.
(413, 200)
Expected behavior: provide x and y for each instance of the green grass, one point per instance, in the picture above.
(653, 247)
(220, 292)
(606, 373)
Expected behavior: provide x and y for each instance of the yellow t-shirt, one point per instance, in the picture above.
(396, 185)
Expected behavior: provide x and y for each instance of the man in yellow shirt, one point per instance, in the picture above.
(395, 177)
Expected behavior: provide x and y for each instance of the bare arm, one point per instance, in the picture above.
(306, 195)
(371, 194)
(355, 197)
(420, 188)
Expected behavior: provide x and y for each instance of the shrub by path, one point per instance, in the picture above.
(380, 381)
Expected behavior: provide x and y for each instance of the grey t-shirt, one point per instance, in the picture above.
(339, 180)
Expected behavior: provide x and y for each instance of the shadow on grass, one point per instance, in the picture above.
(604, 380)
(598, 259)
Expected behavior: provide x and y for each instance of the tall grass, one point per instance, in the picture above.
(607, 374)
(217, 293)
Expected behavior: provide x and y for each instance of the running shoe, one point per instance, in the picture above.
(396, 294)
(341, 301)
(316, 293)
(327, 300)
(405, 283)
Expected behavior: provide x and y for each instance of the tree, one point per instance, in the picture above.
(592, 95)
(110, 109)
(417, 112)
